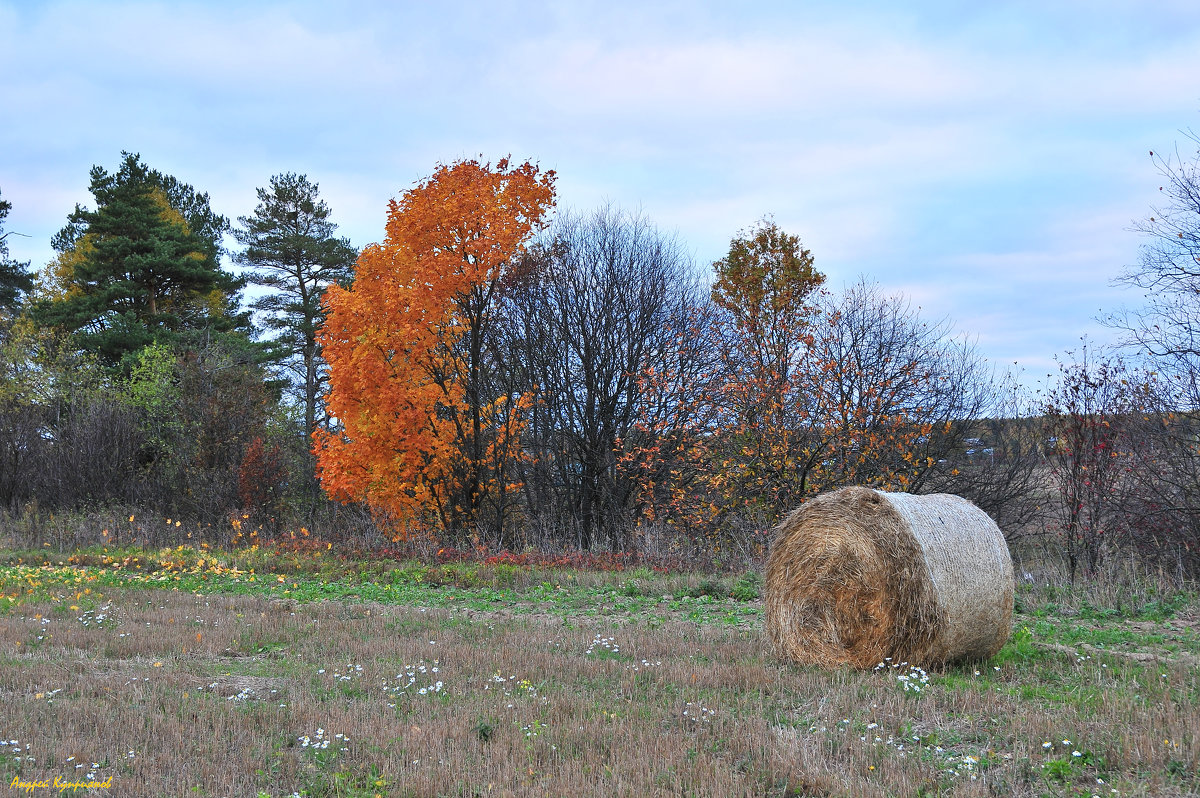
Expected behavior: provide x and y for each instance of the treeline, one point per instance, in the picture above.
(131, 375)
(581, 382)
(500, 374)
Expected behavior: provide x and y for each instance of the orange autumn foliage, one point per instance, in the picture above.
(808, 405)
(768, 287)
(415, 439)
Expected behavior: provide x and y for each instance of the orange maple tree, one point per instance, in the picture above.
(418, 438)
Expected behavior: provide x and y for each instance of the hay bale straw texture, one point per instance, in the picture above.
(858, 575)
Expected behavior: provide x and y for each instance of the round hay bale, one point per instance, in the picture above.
(858, 576)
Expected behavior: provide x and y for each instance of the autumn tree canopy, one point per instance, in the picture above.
(419, 439)
(767, 283)
(821, 392)
(767, 287)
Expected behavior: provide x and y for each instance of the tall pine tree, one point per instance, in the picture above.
(15, 280)
(290, 248)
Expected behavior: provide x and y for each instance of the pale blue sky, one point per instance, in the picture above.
(985, 158)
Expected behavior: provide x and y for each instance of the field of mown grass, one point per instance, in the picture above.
(192, 672)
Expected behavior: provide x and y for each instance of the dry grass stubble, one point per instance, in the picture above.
(172, 691)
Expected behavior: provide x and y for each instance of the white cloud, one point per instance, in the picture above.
(760, 77)
(987, 159)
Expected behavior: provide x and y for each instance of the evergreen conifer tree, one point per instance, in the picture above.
(15, 280)
(290, 248)
(142, 267)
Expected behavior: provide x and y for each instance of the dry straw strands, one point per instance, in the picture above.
(858, 575)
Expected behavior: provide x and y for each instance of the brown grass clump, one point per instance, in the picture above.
(859, 576)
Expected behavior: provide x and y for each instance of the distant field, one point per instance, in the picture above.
(480, 681)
